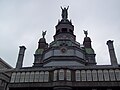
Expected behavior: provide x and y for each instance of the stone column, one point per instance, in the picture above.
(20, 57)
(113, 58)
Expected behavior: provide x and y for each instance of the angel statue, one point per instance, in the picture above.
(43, 34)
(86, 33)
(64, 12)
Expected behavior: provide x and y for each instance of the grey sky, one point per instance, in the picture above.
(22, 21)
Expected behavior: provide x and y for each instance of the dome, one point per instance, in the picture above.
(42, 40)
(87, 39)
(39, 51)
(89, 51)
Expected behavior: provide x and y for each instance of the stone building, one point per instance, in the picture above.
(4, 75)
(65, 64)
(4, 65)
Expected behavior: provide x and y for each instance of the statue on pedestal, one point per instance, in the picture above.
(86, 33)
(64, 13)
(43, 34)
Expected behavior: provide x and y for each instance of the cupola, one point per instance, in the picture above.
(64, 28)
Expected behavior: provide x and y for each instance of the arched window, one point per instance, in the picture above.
(106, 75)
(46, 76)
(22, 77)
(117, 74)
(31, 76)
(83, 75)
(27, 76)
(61, 74)
(89, 76)
(41, 76)
(112, 75)
(94, 75)
(17, 79)
(36, 77)
(77, 75)
(68, 75)
(13, 77)
(100, 75)
(55, 76)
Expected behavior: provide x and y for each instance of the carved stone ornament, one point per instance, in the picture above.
(63, 49)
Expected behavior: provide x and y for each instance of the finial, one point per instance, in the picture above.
(85, 32)
(64, 13)
(44, 33)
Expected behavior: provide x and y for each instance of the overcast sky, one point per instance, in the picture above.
(22, 22)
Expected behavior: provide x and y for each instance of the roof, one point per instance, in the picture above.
(3, 64)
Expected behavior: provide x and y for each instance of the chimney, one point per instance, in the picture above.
(20, 57)
(112, 53)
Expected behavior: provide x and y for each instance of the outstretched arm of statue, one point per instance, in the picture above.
(67, 7)
(61, 8)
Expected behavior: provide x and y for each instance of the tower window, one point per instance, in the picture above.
(70, 31)
(64, 29)
(58, 31)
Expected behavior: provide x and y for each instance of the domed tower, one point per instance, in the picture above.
(42, 46)
(64, 50)
(90, 55)
(64, 28)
